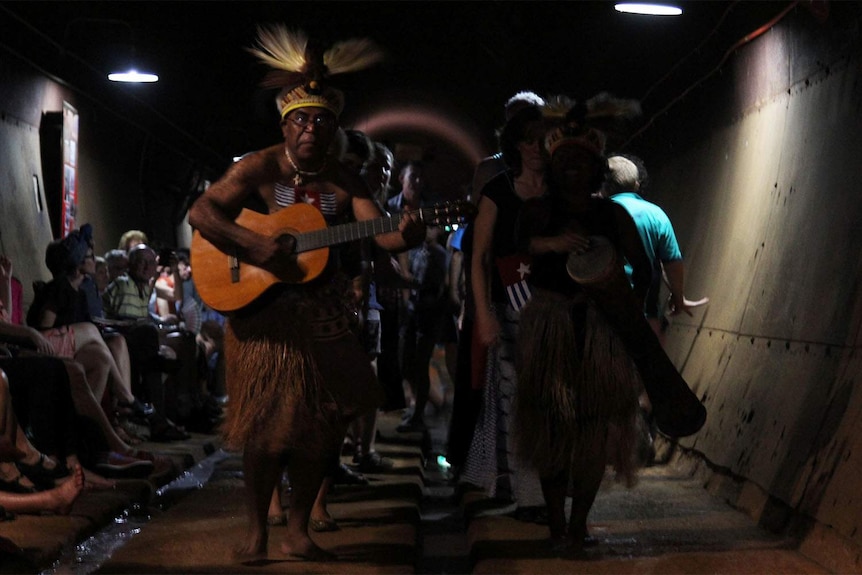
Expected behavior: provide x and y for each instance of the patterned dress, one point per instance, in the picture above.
(493, 461)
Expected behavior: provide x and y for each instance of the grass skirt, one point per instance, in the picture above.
(577, 387)
(296, 375)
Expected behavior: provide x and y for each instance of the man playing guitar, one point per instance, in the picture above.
(296, 375)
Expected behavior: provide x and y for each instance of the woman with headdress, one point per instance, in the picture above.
(577, 387)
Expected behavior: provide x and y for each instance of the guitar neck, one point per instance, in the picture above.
(344, 233)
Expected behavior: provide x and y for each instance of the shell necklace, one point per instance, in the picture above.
(299, 175)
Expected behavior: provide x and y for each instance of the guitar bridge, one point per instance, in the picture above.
(234, 268)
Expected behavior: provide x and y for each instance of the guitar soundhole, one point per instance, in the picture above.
(288, 242)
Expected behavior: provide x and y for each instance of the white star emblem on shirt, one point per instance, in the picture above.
(307, 199)
(523, 269)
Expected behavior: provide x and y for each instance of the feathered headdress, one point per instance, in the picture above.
(302, 70)
(585, 123)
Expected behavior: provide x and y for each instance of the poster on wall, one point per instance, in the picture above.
(70, 169)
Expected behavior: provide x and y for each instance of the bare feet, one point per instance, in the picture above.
(254, 547)
(305, 548)
(35, 458)
(10, 474)
(65, 494)
(322, 515)
(95, 482)
(275, 514)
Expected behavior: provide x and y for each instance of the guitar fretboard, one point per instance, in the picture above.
(353, 231)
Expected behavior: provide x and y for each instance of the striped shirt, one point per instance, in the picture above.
(123, 299)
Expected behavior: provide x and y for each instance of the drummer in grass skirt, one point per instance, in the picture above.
(577, 386)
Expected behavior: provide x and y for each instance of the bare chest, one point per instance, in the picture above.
(331, 200)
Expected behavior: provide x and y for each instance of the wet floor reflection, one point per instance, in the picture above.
(89, 555)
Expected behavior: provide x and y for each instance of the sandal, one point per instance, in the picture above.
(135, 408)
(14, 485)
(41, 476)
(323, 525)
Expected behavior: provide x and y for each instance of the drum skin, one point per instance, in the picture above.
(596, 264)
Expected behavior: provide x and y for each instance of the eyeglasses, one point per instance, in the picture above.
(303, 120)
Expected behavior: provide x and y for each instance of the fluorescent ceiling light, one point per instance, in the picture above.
(133, 76)
(649, 9)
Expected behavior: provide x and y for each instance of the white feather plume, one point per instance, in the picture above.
(280, 48)
(351, 55)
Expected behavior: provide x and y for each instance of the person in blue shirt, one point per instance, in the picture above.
(624, 180)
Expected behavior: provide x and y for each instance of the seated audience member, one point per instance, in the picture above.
(17, 493)
(16, 450)
(168, 300)
(60, 310)
(131, 239)
(192, 307)
(24, 365)
(204, 321)
(47, 378)
(118, 264)
(42, 403)
(127, 298)
(180, 330)
(101, 277)
(58, 500)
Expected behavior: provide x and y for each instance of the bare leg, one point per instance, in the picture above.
(87, 405)
(121, 376)
(58, 500)
(306, 476)
(554, 491)
(92, 481)
(421, 378)
(275, 515)
(365, 428)
(261, 476)
(585, 485)
(9, 427)
(319, 512)
(25, 452)
(97, 358)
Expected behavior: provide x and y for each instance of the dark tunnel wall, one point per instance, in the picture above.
(759, 169)
(126, 179)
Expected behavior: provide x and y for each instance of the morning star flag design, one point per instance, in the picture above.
(514, 272)
(288, 196)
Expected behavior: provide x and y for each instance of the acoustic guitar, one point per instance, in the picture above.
(227, 284)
